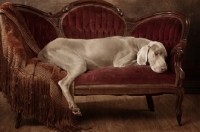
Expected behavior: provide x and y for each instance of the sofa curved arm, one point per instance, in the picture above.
(180, 45)
(180, 75)
(176, 56)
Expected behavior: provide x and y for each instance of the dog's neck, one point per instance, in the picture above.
(140, 42)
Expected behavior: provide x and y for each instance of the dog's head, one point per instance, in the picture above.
(153, 54)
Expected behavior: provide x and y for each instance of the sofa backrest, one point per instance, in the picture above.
(95, 19)
(167, 27)
(91, 21)
(81, 19)
(39, 24)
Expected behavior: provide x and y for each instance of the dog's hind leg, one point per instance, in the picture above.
(74, 70)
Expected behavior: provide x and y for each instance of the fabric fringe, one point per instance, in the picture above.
(30, 96)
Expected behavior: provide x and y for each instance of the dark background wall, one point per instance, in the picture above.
(138, 8)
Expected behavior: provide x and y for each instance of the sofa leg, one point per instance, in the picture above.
(150, 102)
(18, 120)
(178, 107)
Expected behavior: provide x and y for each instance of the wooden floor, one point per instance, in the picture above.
(119, 114)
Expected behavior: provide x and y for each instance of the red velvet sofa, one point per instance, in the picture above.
(31, 86)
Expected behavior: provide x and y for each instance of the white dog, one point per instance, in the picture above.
(78, 55)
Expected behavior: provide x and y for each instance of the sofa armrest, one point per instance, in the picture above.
(176, 56)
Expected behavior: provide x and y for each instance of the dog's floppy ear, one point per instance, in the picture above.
(142, 55)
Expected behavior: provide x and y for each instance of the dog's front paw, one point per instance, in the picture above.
(76, 111)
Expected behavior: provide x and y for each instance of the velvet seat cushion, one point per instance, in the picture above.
(124, 75)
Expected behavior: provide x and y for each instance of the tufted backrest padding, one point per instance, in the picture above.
(165, 29)
(41, 29)
(87, 22)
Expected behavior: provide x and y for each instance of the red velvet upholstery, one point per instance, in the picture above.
(165, 29)
(89, 22)
(42, 30)
(124, 75)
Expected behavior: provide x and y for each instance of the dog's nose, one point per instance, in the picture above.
(163, 68)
